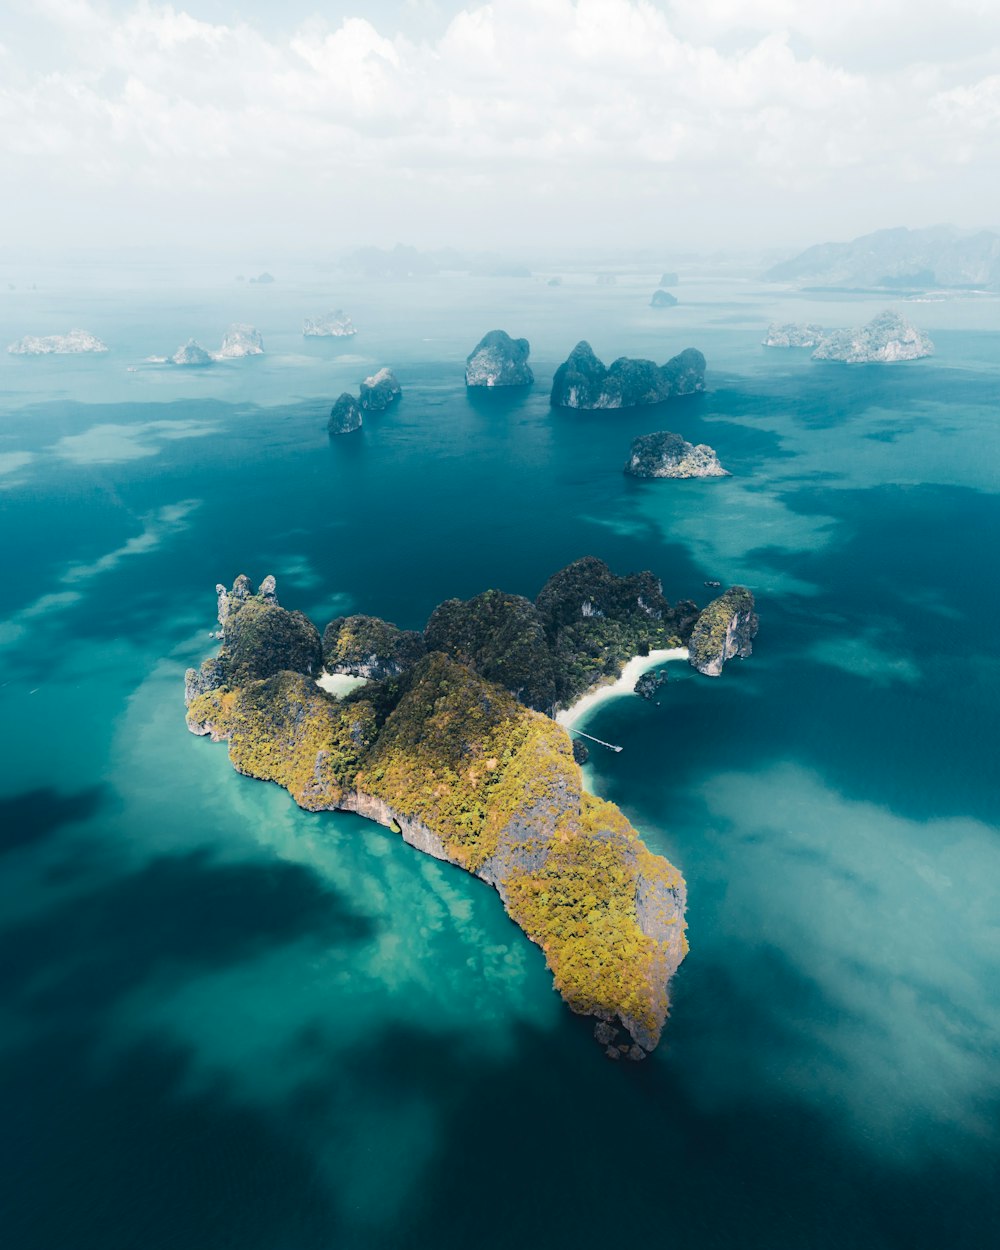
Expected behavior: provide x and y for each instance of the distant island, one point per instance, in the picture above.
(664, 454)
(499, 360)
(239, 340)
(583, 381)
(899, 259)
(450, 741)
(334, 325)
(75, 343)
(887, 338)
(663, 299)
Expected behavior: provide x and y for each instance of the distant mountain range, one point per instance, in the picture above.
(940, 256)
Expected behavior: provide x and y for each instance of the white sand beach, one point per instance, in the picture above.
(625, 684)
(339, 684)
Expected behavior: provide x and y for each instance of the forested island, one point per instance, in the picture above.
(451, 742)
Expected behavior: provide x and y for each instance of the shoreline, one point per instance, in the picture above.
(576, 712)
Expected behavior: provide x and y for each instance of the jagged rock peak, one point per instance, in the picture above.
(499, 360)
(794, 335)
(583, 381)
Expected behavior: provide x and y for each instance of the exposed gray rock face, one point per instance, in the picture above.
(885, 339)
(191, 353)
(662, 299)
(668, 455)
(240, 340)
(583, 381)
(72, 344)
(725, 629)
(379, 391)
(499, 360)
(335, 325)
(345, 415)
(793, 335)
(936, 256)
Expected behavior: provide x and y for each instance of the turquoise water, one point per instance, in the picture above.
(226, 1022)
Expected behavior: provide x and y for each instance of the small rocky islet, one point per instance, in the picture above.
(75, 343)
(498, 360)
(375, 394)
(667, 455)
(451, 742)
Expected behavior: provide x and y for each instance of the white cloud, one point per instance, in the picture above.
(781, 95)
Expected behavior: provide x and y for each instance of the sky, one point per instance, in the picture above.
(692, 124)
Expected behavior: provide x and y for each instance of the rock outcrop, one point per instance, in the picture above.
(366, 646)
(669, 278)
(467, 774)
(191, 354)
(74, 343)
(583, 381)
(650, 684)
(499, 360)
(668, 455)
(240, 340)
(793, 335)
(725, 629)
(663, 299)
(379, 391)
(885, 339)
(345, 415)
(335, 325)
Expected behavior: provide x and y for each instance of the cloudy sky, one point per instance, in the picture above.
(594, 122)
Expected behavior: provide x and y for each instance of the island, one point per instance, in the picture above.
(345, 415)
(725, 629)
(792, 334)
(191, 354)
(264, 278)
(499, 360)
(887, 338)
(379, 391)
(669, 278)
(334, 325)
(663, 299)
(582, 380)
(664, 454)
(445, 744)
(75, 343)
(240, 340)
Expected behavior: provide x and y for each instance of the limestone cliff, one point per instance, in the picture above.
(887, 338)
(499, 360)
(725, 629)
(469, 775)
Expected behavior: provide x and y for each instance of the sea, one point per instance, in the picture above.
(229, 1023)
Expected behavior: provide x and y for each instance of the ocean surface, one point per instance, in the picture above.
(225, 1022)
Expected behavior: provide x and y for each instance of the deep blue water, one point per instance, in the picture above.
(226, 1022)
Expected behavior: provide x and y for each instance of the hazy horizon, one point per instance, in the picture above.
(504, 127)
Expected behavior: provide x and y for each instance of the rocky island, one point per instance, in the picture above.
(499, 360)
(663, 299)
(725, 629)
(583, 381)
(886, 338)
(345, 415)
(443, 744)
(668, 455)
(793, 335)
(74, 343)
(335, 325)
(191, 354)
(379, 391)
(240, 340)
